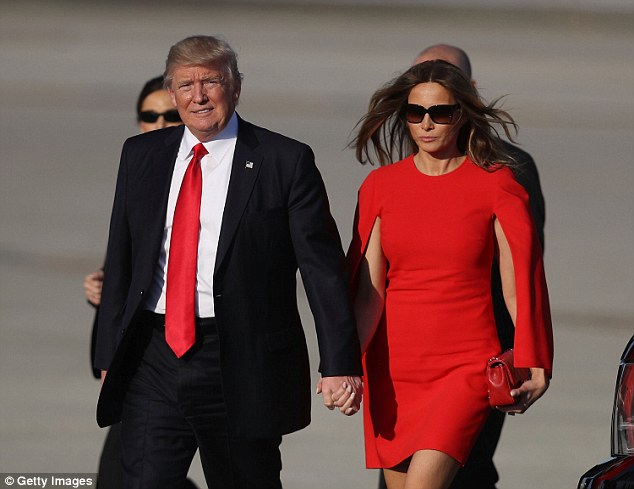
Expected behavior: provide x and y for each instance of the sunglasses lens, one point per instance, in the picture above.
(442, 114)
(414, 113)
(149, 116)
(172, 116)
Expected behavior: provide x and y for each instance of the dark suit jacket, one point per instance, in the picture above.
(276, 219)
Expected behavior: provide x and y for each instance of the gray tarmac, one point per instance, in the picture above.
(70, 73)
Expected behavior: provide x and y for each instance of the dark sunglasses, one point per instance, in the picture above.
(150, 116)
(439, 114)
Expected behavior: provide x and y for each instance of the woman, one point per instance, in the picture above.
(426, 231)
(154, 110)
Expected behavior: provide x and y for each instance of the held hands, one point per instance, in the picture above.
(528, 392)
(344, 393)
(93, 283)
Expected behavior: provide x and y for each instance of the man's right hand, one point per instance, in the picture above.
(93, 283)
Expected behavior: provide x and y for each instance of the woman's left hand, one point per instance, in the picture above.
(528, 392)
(343, 393)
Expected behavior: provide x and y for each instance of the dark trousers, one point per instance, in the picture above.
(110, 474)
(479, 472)
(174, 406)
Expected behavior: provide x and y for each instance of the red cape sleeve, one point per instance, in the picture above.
(533, 325)
(364, 217)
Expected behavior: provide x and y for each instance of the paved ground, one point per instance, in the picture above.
(70, 75)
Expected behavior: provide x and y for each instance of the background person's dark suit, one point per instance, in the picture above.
(276, 218)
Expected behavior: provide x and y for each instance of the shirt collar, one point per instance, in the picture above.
(218, 146)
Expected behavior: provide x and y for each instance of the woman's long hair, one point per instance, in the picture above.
(383, 132)
(151, 86)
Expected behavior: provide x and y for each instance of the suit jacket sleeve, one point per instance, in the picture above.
(117, 274)
(321, 263)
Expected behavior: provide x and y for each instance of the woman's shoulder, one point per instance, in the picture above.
(390, 172)
(495, 174)
(383, 181)
(504, 185)
(504, 178)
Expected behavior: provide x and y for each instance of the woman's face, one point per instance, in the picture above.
(158, 104)
(436, 139)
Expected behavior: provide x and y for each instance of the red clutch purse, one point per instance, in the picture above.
(502, 376)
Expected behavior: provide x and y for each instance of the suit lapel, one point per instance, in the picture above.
(244, 172)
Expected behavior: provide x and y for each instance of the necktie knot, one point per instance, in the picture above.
(200, 151)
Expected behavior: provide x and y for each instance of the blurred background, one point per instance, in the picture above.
(70, 72)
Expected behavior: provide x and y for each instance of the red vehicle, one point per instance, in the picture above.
(618, 471)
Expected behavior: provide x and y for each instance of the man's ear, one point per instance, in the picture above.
(172, 96)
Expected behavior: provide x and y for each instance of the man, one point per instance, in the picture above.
(479, 471)
(199, 330)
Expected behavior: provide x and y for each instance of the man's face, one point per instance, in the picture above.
(204, 98)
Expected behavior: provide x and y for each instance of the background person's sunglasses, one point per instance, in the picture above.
(439, 114)
(150, 116)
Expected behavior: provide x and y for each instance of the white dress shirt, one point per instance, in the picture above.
(216, 170)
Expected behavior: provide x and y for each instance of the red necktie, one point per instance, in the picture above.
(180, 327)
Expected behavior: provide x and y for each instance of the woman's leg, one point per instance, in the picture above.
(395, 477)
(426, 469)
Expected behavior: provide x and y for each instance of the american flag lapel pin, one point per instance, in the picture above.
(249, 164)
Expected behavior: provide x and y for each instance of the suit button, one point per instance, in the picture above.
(123, 331)
(142, 292)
